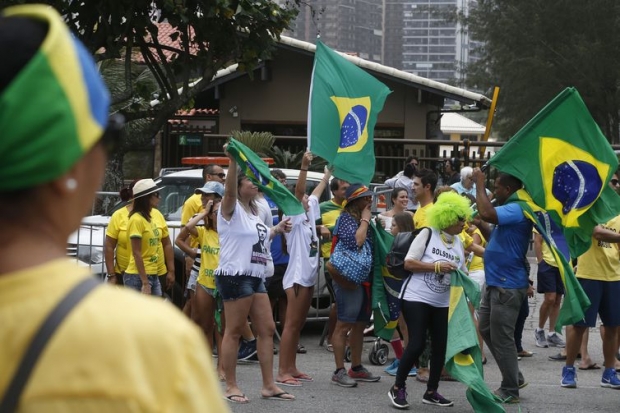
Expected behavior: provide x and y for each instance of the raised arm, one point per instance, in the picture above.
(300, 188)
(485, 207)
(229, 201)
(318, 190)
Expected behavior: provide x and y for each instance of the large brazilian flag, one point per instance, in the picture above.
(342, 112)
(565, 163)
(463, 359)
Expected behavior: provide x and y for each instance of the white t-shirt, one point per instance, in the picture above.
(303, 244)
(264, 213)
(429, 287)
(244, 247)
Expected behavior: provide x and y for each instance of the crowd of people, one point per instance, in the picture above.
(245, 260)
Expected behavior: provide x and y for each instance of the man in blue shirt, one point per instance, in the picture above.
(506, 277)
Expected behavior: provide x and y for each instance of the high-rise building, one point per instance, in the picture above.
(435, 44)
(349, 26)
(417, 36)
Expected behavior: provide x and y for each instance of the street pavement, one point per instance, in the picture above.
(543, 394)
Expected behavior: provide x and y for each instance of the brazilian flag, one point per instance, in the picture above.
(385, 287)
(344, 104)
(575, 302)
(258, 171)
(463, 358)
(565, 163)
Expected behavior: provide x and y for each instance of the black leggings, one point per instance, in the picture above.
(421, 317)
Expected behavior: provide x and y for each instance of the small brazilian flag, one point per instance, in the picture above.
(258, 171)
(565, 163)
(463, 359)
(344, 104)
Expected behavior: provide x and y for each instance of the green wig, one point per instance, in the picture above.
(449, 208)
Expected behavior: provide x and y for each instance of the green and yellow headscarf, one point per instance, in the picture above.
(53, 111)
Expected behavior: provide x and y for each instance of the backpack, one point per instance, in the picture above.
(395, 259)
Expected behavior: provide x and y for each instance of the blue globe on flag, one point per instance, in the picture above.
(353, 126)
(576, 184)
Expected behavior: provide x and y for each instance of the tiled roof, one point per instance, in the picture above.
(181, 117)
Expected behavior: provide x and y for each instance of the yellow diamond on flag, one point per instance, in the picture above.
(572, 178)
(353, 114)
(463, 359)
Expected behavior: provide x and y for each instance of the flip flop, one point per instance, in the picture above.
(329, 348)
(592, 366)
(301, 349)
(303, 377)
(290, 382)
(279, 396)
(232, 399)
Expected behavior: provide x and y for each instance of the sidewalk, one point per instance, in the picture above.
(543, 394)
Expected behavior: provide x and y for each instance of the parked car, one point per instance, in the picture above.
(86, 244)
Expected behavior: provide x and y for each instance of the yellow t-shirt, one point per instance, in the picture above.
(419, 218)
(162, 269)
(330, 211)
(117, 229)
(209, 256)
(477, 263)
(151, 234)
(191, 207)
(104, 357)
(547, 255)
(602, 261)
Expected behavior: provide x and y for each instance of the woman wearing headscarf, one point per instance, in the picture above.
(240, 277)
(425, 295)
(52, 97)
(149, 240)
(352, 301)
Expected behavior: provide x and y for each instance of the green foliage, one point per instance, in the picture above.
(284, 159)
(533, 49)
(259, 142)
(202, 37)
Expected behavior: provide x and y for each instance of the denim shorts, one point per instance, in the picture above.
(352, 305)
(134, 282)
(211, 292)
(234, 287)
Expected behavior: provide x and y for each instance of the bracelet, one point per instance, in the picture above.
(365, 220)
(438, 267)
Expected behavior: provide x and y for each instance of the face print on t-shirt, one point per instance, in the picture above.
(260, 253)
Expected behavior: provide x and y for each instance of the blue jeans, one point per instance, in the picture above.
(134, 282)
(352, 305)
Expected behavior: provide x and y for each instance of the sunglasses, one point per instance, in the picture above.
(222, 175)
(111, 138)
(614, 182)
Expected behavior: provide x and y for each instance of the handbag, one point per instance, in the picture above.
(353, 265)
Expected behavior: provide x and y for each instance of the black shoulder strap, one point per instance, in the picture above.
(14, 390)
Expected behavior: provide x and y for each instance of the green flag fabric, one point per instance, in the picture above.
(575, 302)
(258, 171)
(565, 163)
(385, 288)
(344, 104)
(463, 358)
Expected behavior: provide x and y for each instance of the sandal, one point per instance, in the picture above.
(301, 349)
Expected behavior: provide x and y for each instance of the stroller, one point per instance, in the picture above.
(378, 354)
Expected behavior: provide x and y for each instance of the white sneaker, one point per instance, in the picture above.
(541, 341)
(555, 341)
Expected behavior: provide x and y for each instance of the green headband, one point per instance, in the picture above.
(53, 111)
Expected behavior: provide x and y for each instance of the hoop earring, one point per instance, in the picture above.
(71, 184)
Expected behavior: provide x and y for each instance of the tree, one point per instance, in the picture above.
(169, 49)
(533, 49)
